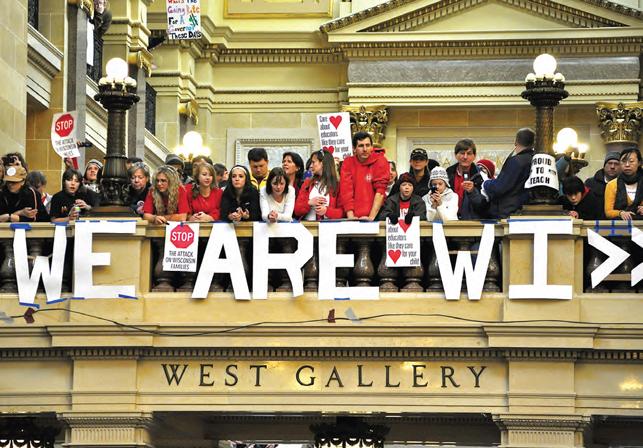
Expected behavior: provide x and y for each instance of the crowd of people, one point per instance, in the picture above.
(364, 186)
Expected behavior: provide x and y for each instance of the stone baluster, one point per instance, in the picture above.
(341, 276)
(162, 280)
(492, 279)
(187, 281)
(596, 258)
(623, 286)
(69, 266)
(434, 281)
(284, 280)
(413, 279)
(8, 268)
(388, 275)
(311, 270)
(35, 249)
(243, 249)
(465, 245)
(363, 271)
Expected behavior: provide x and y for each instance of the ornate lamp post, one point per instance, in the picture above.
(544, 89)
(117, 95)
(349, 432)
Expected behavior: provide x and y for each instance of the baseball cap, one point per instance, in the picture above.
(419, 154)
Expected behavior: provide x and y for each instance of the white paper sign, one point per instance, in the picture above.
(403, 243)
(63, 134)
(335, 133)
(543, 172)
(183, 19)
(181, 247)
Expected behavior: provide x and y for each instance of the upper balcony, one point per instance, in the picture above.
(412, 305)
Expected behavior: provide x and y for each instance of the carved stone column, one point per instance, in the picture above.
(122, 429)
(371, 119)
(540, 431)
(620, 124)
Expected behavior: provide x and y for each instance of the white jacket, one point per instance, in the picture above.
(284, 208)
(447, 211)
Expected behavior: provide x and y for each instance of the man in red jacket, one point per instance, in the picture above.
(363, 180)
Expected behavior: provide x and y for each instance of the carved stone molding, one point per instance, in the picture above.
(371, 119)
(280, 56)
(620, 122)
(542, 430)
(97, 429)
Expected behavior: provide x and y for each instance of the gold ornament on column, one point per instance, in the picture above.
(371, 119)
(620, 122)
(190, 109)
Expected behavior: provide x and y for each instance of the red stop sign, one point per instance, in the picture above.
(181, 236)
(64, 125)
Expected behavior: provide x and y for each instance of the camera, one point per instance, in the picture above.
(465, 176)
(434, 189)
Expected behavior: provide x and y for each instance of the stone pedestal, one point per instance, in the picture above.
(540, 431)
(97, 429)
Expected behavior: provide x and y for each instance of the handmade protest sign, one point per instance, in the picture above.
(181, 247)
(403, 243)
(63, 134)
(543, 172)
(335, 134)
(183, 19)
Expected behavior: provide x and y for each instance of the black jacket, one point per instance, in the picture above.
(507, 192)
(597, 184)
(62, 202)
(391, 208)
(421, 188)
(26, 197)
(474, 205)
(589, 207)
(249, 200)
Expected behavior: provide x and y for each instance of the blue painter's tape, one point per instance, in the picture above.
(122, 220)
(60, 223)
(20, 225)
(76, 298)
(56, 301)
(537, 219)
(124, 296)
(30, 305)
(342, 298)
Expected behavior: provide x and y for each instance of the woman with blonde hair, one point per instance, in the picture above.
(203, 194)
(167, 199)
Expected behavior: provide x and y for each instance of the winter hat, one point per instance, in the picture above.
(612, 155)
(406, 177)
(489, 166)
(440, 173)
(173, 159)
(15, 174)
(94, 162)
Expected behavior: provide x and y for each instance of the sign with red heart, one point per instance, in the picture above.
(335, 134)
(394, 255)
(403, 243)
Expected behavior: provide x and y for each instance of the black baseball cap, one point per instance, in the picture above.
(419, 154)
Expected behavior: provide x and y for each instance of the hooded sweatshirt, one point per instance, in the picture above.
(360, 181)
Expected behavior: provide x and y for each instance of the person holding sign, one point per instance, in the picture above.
(19, 202)
(507, 193)
(624, 195)
(167, 200)
(403, 204)
(74, 200)
(277, 198)
(203, 195)
(319, 195)
(240, 200)
(441, 202)
(363, 180)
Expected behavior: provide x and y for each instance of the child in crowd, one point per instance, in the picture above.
(403, 204)
(579, 201)
(441, 202)
(277, 198)
(204, 197)
(240, 200)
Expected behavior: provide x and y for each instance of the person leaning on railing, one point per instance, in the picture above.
(139, 176)
(277, 198)
(74, 200)
(318, 198)
(167, 199)
(403, 204)
(624, 195)
(19, 202)
(203, 195)
(441, 201)
(240, 200)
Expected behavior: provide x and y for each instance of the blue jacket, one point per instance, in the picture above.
(507, 192)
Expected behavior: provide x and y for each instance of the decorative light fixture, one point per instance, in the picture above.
(567, 144)
(117, 93)
(544, 89)
(25, 432)
(192, 147)
(349, 432)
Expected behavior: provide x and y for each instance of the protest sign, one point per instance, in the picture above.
(183, 19)
(403, 243)
(335, 134)
(63, 134)
(181, 247)
(543, 172)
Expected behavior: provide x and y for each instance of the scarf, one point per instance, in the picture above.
(621, 194)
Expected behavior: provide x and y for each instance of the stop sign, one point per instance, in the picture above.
(64, 125)
(181, 236)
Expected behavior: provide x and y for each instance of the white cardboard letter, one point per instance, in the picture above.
(539, 289)
(222, 235)
(51, 278)
(330, 260)
(85, 260)
(452, 278)
(263, 260)
(615, 256)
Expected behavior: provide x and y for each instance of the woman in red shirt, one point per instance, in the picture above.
(166, 200)
(318, 197)
(204, 196)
